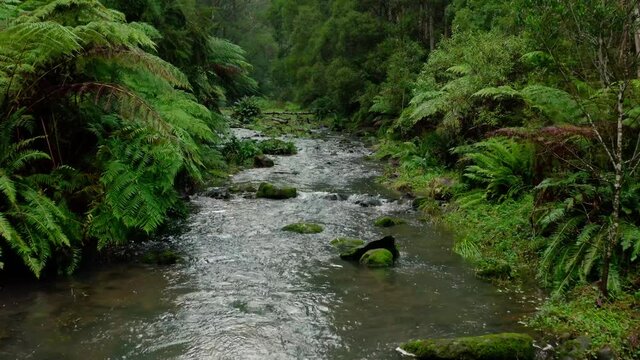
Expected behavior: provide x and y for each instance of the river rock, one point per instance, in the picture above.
(369, 202)
(218, 193)
(304, 228)
(344, 245)
(270, 191)
(261, 161)
(388, 243)
(506, 346)
(574, 349)
(388, 221)
(377, 258)
(605, 354)
(160, 257)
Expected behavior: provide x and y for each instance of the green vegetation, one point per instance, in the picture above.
(102, 125)
(304, 228)
(377, 258)
(488, 347)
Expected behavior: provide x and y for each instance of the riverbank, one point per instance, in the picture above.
(499, 240)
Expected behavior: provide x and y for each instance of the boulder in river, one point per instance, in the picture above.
(270, 191)
(304, 228)
(505, 346)
(262, 161)
(388, 243)
(218, 193)
(377, 258)
(388, 221)
(160, 257)
(346, 244)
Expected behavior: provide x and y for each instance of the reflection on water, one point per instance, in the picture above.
(248, 290)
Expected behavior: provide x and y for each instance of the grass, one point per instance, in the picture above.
(615, 324)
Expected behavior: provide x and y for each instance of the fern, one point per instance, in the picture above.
(503, 166)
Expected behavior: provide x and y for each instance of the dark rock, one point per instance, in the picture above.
(377, 258)
(506, 346)
(605, 354)
(369, 202)
(388, 242)
(387, 221)
(574, 349)
(261, 161)
(270, 191)
(218, 193)
(160, 257)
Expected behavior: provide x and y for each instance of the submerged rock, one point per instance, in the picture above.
(218, 193)
(388, 243)
(369, 202)
(261, 161)
(270, 191)
(304, 228)
(388, 221)
(506, 346)
(377, 258)
(344, 245)
(160, 257)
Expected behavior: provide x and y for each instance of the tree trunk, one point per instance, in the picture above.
(432, 38)
(612, 240)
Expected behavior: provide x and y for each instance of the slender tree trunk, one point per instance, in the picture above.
(432, 38)
(612, 240)
(636, 38)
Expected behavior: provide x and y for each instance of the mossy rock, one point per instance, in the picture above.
(270, 191)
(160, 257)
(344, 245)
(388, 221)
(261, 161)
(377, 258)
(304, 228)
(277, 147)
(242, 188)
(498, 270)
(506, 346)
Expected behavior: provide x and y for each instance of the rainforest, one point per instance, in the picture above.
(320, 179)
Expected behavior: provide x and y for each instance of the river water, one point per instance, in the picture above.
(247, 290)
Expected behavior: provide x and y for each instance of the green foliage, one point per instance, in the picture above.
(462, 66)
(246, 110)
(98, 133)
(502, 165)
(277, 147)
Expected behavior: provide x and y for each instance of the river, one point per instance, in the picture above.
(247, 290)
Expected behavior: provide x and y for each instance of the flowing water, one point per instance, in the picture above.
(247, 290)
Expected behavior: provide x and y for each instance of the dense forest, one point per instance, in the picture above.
(515, 122)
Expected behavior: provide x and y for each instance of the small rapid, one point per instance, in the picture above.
(248, 290)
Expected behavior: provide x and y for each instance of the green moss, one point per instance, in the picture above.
(160, 257)
(277, 147)
(270, 191)
(387, 221)
(507, 346)
(377, 258)
(344, 245)
(304, 228)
